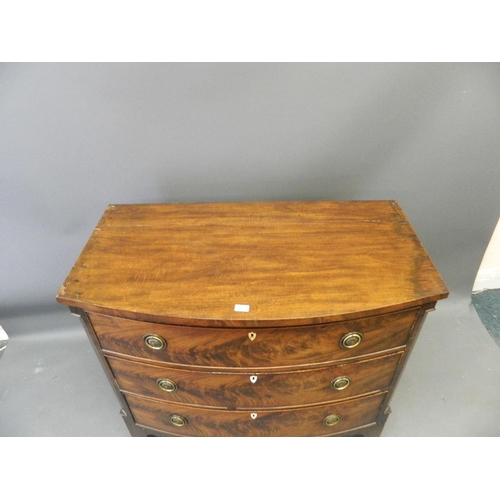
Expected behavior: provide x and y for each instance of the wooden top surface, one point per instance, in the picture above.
(291, 263)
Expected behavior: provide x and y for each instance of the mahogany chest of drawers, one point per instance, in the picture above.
(253, 319)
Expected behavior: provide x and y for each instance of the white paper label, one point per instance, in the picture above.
(242, 308)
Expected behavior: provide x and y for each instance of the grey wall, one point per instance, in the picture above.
(77, 137)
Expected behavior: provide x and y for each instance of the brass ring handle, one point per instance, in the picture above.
(167, 385)
(178, 421)
(332, 420)
(350, 340)
(340, 383)
(154, 342)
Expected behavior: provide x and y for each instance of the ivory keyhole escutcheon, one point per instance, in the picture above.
(252, 336)
(253, 415)
(253, 378)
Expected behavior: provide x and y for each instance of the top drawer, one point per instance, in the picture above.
(260, 347)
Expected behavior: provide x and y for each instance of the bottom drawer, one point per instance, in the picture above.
(307, 421)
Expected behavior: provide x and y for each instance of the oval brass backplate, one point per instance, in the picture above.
(154, 341)
(178, 421)
(340, 383)
(351, 340)
(167, 385)
(332, 420)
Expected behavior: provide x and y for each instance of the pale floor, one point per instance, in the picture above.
(52, 384)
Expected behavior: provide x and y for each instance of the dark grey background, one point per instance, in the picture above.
(77, 137)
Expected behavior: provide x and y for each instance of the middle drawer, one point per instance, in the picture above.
(255, 389)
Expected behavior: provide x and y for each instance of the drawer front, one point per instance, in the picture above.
(241, 348)
(306, 421)
(255, 389)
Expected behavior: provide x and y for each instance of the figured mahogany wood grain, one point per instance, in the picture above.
(291, 262)
(305, 421)
(237, 391)
(272, 347)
